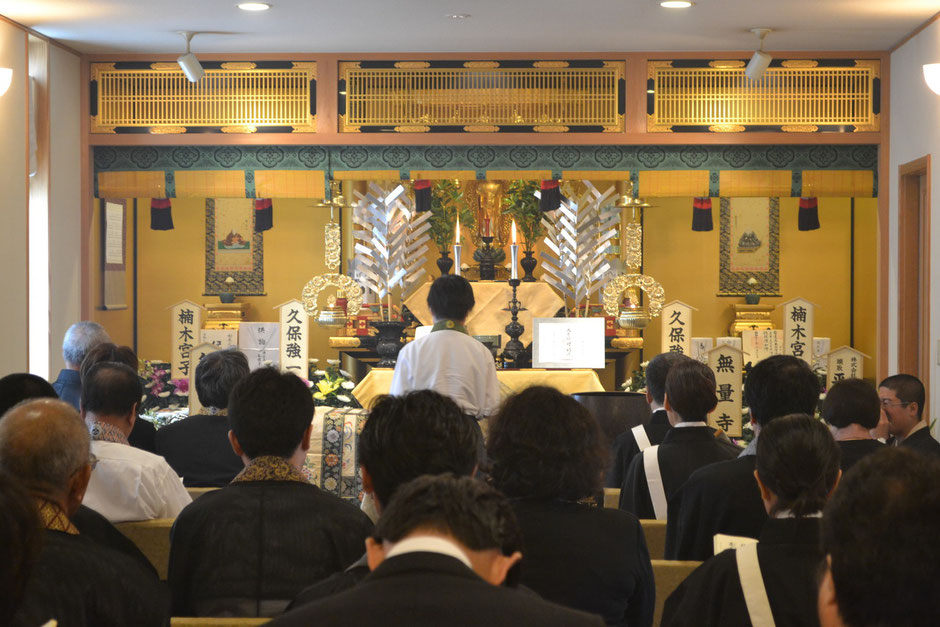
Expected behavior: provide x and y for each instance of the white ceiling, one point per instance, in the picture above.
(149, 26)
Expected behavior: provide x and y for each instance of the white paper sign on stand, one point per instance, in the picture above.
(259, 341)
(798, 315)
(677, 328)
(730, 341)
(221, 338)
(821, 347)
(761, 344)
(185, 324)
(844, 363)
(294, 340)
(700, 348)
(195, 407)
(727, 362)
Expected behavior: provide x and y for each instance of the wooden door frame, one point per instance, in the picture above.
(914, 268)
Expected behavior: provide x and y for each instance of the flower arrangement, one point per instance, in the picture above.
(331, 387)
(637, 380)
(161, 392)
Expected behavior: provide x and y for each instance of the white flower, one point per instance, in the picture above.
(333, 362)
(314, 361)
(348, 385)
(320, 373)
(345, 374)
(644, 364)
(343, 398)
(164, 394)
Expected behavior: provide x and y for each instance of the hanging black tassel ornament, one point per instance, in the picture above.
(551, 196)
(702, 214)
(160, 217)
(809, 214)
(422, 195)
(264, 214)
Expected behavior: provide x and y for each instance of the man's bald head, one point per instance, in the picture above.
(43, 442)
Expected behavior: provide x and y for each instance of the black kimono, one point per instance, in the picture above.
(719, 498)
(587, 558)
(625, 447)
(683, 451)
(854, 450)
(198, 449)
(789, 555)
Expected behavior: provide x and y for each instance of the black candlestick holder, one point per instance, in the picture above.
(514, 349)
(487, 256)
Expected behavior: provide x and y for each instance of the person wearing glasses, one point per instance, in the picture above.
(902, 401)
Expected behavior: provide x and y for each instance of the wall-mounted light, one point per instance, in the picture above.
(6, 76)
(931, 76)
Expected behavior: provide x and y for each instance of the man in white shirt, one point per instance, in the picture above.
(128, 483)
(448, 360)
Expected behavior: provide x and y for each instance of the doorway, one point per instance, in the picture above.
(914, 268)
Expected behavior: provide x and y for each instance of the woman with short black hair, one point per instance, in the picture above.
(547, 454)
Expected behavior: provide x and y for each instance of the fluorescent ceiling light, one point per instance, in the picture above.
(931, 75)
(254, 6)
(676, 4)
(459, 16)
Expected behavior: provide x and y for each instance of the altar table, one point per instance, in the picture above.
(379, 380)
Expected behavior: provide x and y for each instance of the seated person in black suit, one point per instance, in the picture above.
(902, 399)
(20, 386)
(46, 447)
(197, 447)
(852, 409)
(547, 453)
(439, 553)
(80, 338)
(635, 440)
(879, 532)
(660, 471)
(419, 433)
(722, 497)
(797, 470)
(247, 549)
(143, 433)
(20, 539)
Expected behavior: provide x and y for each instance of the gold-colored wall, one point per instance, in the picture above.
(815, 265)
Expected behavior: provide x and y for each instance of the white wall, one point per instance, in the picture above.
(915, 132)
(65, 211)
(14, 203)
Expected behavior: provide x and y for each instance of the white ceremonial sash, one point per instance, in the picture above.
(642, 440)
(752, 584)
(654, 480)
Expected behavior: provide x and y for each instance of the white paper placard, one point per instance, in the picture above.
(761, 344)
(295, 336)
(185, 324)
(259, 342)
(731, 341)
(677, 328)
(798, 315)
(700, 348)
(821, 348)
(844, 363)
(727, 362)
(195, 407)
(568, 343)
(221, 338)
(114, 236)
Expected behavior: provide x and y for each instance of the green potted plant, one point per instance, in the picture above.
(446, 205)
(521, 205)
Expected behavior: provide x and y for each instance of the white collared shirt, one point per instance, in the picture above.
(695, 423)
(453, 364)
(132, 484)
(429, 544)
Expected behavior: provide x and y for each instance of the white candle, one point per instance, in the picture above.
(514, 254)
(457, 248)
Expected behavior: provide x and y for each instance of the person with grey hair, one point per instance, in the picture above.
(197, 448)
(45, 446)
(79, 339)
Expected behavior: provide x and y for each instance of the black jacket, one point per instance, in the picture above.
(922, 441)
(854, 450)
(198, 449)
(789, 555)
(683, 451)
(625, 448)
(429, 589)
(249, 548)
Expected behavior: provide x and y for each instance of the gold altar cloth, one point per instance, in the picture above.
(488, 317)
(379, 380)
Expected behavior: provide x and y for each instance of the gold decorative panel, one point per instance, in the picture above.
(482, 98)
(235, 96)
(799, 96)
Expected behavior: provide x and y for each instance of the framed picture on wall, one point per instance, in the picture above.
(749, 246)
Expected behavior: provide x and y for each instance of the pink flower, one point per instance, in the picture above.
(181, 385)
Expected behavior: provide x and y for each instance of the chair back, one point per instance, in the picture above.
(152, 537)
(668, 575)
(188, 621)
(195, 493)
(615, 411)
(655, 532)
(612, 497)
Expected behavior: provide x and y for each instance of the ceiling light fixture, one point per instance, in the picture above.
(6, 77)
(459, 16)
(676, 4)
(253, 6)
(190, 65)
(760, 60)
(931, 76)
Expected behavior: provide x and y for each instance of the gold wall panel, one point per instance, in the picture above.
(755, 182)
(724, 98)
(131, 184)
(236, 97)
(482, 97)
(289, 184)
(672, 183)
(838, 183)
(210, 183)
